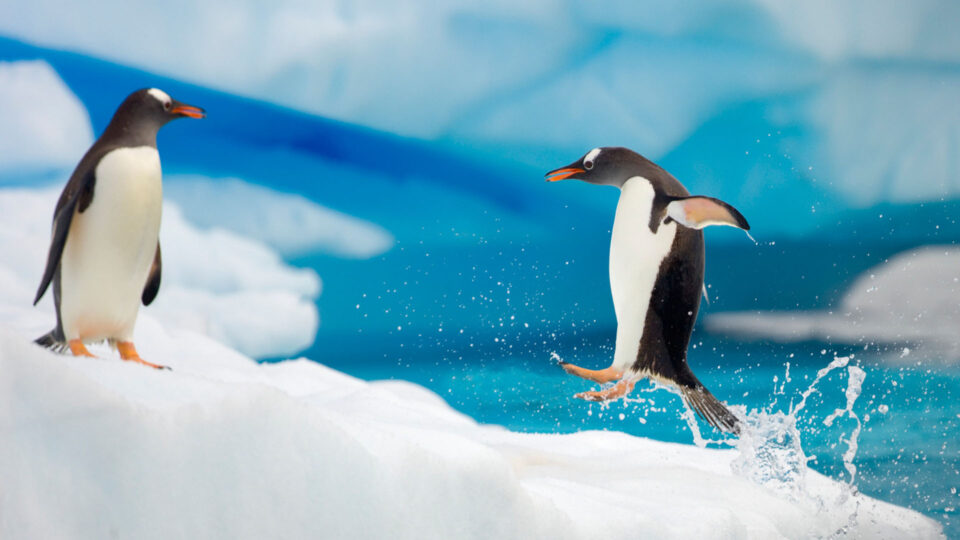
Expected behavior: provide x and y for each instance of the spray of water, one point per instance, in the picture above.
(769, 446)
(855, 377)
(770, 451)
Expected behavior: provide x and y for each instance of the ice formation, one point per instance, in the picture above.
(638, 74)
(45, 127)
(912, 298)
(291, 224)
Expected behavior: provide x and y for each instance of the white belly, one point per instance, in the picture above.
(111, 246)
(635, 256)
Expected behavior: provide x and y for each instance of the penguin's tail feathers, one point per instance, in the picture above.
(710, 409)
(52, 340)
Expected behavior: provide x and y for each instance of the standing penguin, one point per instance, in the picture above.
(104, 253)
(656, 276)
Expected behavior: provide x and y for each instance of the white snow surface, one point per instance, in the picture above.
(912, 298)
(222, 447)
(289, 223)
(231, 288)
(44, 125)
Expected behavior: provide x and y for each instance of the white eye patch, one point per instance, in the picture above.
(591, 155)
(159, 95)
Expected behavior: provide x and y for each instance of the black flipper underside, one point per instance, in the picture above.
(76, 197)
(153, 280)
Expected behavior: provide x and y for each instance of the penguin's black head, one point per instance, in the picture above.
(152, 108)
(610, 166)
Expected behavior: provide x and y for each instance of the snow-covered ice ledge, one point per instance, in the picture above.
(223, 447)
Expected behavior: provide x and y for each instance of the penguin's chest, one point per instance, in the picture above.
(111, 246)
(636, 254)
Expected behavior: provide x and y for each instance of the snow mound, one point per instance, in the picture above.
(222, 447)
(44, 124)
(214, 282)
(291, 224)
(912, 298)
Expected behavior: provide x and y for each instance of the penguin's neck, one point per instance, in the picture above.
(131, 134)
(635, 256)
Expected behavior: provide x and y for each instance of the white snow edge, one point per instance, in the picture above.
(222, 447)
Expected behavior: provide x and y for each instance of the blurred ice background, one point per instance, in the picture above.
(396, 150)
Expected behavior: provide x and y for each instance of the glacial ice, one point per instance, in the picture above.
(291, 224)
(874, 83)
(912, 298)
(45, 127)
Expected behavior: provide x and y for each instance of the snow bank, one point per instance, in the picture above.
(222, 447)
(230, 288)
(44, 125)
(291, 224)
(912, 298)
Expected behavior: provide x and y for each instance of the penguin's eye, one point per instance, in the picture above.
(166, 105)
(588, 164)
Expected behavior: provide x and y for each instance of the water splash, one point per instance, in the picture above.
(690, 418)
(770, 449)
(855, 377)
(838, 362)
(771, 454)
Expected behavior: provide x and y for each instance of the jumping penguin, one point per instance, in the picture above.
(104, 256)
(656, 276)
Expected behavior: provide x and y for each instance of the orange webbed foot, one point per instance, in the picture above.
(129, 353)
(79, 349)
(618, 390)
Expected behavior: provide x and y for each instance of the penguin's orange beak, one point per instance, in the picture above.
(188, 110)
(562, 173)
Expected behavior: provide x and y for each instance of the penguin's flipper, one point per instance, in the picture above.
(699, 212)
(76, 197)
(153, 280)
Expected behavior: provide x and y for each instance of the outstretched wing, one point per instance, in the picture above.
(76, 197)
(699, 212)
(152, 287)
